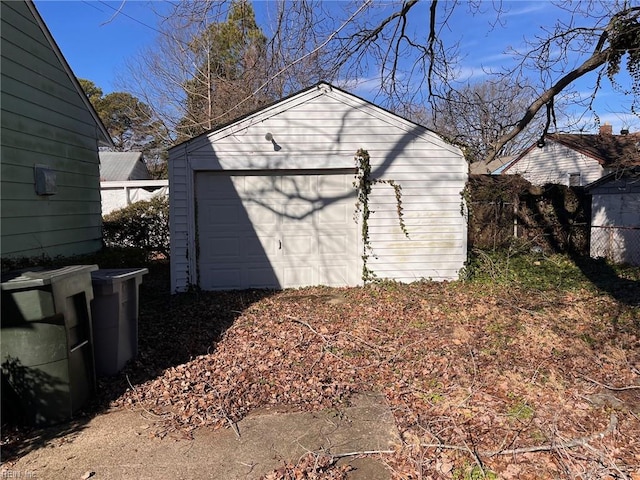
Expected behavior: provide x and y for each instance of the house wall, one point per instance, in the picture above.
(615, 221)
(117, 195)
(44, 122)
(323, 129)
(553, 163)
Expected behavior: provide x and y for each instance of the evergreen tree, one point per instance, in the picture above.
(131, 125)
(230, 66)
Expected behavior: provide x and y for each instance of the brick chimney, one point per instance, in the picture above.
(606, 129)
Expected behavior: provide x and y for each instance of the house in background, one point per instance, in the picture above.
(615, 216)
(123, 166)
(125, 179)
(50, 170)
(268, 201)
(576, 159)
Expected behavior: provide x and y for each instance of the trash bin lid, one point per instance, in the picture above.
(112, 275)
(37, 277)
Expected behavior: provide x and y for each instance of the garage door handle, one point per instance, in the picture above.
(279, 244)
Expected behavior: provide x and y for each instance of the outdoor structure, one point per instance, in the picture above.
(615, 217)
(117, 195)
(576, 159)
(122, 166)
(50, 182)
(125, 179)
(269, 200)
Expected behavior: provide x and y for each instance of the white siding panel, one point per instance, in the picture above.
(323, 129)
(554, 163)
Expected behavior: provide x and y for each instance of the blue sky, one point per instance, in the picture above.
(96, 37)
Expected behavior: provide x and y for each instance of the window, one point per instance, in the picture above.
(574, 180)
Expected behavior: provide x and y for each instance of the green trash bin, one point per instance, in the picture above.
(115, 317)
(46, 343)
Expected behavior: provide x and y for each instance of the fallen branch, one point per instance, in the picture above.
(135, 392)
(364, 452)
(302, 322)
(576, 442)
(609, 387)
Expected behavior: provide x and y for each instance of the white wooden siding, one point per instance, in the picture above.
(615, 218)
(119, 194)
(324, 128)
(44, 121)
(554, 163)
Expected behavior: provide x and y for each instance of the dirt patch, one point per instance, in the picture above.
(120, 444)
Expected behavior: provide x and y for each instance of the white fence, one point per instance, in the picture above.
(117, 195)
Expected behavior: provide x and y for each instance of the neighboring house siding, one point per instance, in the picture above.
(324, 130)
(118, 195)
(554, 163)
(44, 122)
(615, 220)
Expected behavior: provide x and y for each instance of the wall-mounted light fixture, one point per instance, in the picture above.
(541, 143)
(269, 138)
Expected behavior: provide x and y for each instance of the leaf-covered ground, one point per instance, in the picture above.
(484, 380)
(528, 375)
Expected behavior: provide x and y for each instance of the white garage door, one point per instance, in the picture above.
(265, 230)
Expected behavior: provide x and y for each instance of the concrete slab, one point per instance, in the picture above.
(117, 445)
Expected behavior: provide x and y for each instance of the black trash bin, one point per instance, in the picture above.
(46, 342)
(115, 317)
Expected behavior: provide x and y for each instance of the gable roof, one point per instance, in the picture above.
(301, 96)
(607, 149)
(115, 166)
(630, 174)
(103, 134)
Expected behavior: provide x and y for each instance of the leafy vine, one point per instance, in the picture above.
(364, 184)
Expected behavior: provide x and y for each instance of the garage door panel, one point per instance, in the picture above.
(225, 278)
(334, 244)
(261, 214)
(297, 214)
(224, 188)
(298, 245)
(225, 247)
(269, 231)
(297, 185)
(259, 246)
(260, 277)
(223, 215)
(336, 214)
(298, 275)
(258, 186)
(330, 185)
(334, 275)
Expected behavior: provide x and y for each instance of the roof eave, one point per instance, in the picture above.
(103, 135)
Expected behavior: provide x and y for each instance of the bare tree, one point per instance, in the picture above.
(415, 64)
(476, 115)
(410, 50)
(405, 42)
(205, 68)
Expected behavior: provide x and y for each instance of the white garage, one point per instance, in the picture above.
(269, 200)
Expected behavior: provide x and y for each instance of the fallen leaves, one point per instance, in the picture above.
(455, 362)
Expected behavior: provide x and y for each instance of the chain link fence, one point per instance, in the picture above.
(618, 244)
(508, 212)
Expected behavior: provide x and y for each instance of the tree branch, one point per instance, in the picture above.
(596, 60)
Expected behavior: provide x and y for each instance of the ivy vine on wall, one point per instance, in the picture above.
(364, 183)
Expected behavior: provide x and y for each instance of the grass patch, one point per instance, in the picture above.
(535, 270)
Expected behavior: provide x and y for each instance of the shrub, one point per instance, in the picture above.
(143, 225)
